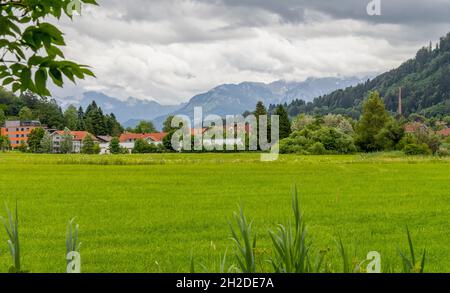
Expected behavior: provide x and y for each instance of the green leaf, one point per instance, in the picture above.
(41, 80)
(35, 60)
(8, 81)
(54, 51)
(93, 2)
(16, 86)
(68, 74)
(56, 76)
(55, 34)
(25, 78)
(87, 72)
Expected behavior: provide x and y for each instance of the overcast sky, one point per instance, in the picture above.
(170, 50)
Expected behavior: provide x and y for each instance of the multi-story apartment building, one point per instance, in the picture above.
(18, 131)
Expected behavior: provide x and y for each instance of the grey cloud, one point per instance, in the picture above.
(393, 11)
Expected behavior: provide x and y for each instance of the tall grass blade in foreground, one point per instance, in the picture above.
(409, 263)
(12, 229)
(345, 260)
(192, 263)
(73, 247)
(245, 246)
(291, 250)
(72, 243)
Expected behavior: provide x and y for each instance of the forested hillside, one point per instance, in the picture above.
(425, 83)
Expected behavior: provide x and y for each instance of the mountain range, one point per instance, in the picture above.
(129, 112)
(226, 99)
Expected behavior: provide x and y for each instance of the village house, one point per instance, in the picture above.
(127, 140)
(77, 136)
(18, 131)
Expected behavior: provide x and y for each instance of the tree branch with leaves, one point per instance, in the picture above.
(30, 47)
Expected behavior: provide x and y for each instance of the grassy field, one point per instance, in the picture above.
(148, 213)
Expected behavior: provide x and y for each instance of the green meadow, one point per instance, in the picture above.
(150, 213)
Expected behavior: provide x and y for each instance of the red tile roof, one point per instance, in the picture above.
(77, 135)
(157, 137)
(444, 132)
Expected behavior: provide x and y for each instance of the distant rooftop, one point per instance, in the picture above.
(17, 123)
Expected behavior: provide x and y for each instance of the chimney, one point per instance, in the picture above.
(400, 102)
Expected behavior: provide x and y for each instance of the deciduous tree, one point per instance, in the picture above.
(71, 117)
(66, 146)
(88, 145)
(145, 127)
(35, 138)
(46, 143)
(25, 114)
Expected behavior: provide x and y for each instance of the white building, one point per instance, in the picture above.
(77, 140)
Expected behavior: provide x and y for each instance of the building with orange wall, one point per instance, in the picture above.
(18, 132)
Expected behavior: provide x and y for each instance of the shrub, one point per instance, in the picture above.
(317, 149)
(318, 141)
(4, 143)
(417, 149)
(140, 146)
(96, 149)
(390, 136)
(23, 147)
(143, 147)
(443, 152)
(346, 127)
(428, 137)
(301, 122)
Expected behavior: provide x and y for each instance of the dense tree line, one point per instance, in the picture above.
(28, 106)
(376, 130)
